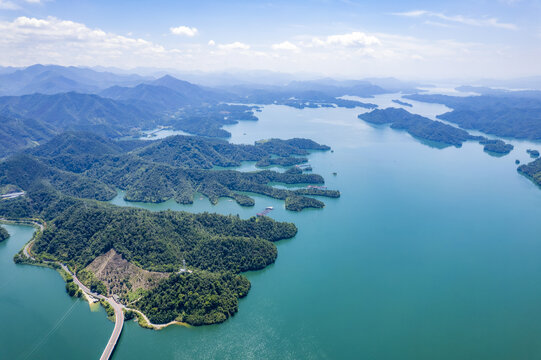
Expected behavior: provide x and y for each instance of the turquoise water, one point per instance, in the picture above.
(429, 254)
(39, 320)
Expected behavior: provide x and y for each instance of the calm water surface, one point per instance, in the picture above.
(429, 254)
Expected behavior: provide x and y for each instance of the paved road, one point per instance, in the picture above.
(119, 314)
(119, 323)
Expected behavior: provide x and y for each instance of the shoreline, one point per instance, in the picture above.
(89, 297)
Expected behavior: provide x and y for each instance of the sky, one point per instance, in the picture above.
(347, 38)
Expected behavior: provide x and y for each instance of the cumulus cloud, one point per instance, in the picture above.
(234, 46)
(481, 22)
(184, 31)
(354, 39)
(286, 45)
(27, 40)
(51, 40)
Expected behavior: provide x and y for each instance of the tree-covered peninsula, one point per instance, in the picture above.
(3, 234)
(496, 146)
(172, 266)
(132, 244)
(418, 126)
(514, 114)
(532, 171)
(88, 166)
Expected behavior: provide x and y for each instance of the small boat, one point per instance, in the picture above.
(269, 208)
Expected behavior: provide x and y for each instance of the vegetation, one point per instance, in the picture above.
(71, 288)
(64, 178)
(216, 247)
(532, 171)
(87, 277)
(83, 112)
(160, 241)
(17, 132)
(533, 153)
(88, 166)
(281, 161)
(418, 126)
(129, 314)
(108, 309)
(297, 203)
(304, 98)
(208, 120)
(496, 146)
(3, 234)
(197, 298)
(23, 171)
(506, 114)
(399, 102)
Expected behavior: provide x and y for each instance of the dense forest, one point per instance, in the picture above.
(532, 171)
(496, 146)
(215, 247)
(64, 179)
(3, 234)
(45, 101)
(507, 114)
(198, 298)
(418, 126)
(88, 166)
(426, 129)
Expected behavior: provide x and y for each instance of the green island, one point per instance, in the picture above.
(533, 153)
(496, 146)
(89, 166)
(418, 126)
(172, 266)
(436, 131)
(403, 103)
(3, 234)
(532, 171)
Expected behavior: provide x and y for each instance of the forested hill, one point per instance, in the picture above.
(507, 114)
(435, 131)
(3, 234)
(41, 101)
(88, 166)
(18, 132)
(418, 126)
(74, 111)
(214, 247)
(532, 171)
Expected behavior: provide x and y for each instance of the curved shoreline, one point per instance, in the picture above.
(26, 250)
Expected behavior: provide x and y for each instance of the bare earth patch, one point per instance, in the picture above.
(120, 276)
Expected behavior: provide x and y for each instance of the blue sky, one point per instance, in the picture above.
(348, 38)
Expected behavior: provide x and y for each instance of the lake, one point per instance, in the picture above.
(430, 253)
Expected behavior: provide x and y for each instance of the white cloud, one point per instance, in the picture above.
(184, 31)
(33, 1)
(30, 40)
(234, 46)
(26, 41)
(481, 22)
(354, 39)
(8, 5)
(286, 45)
